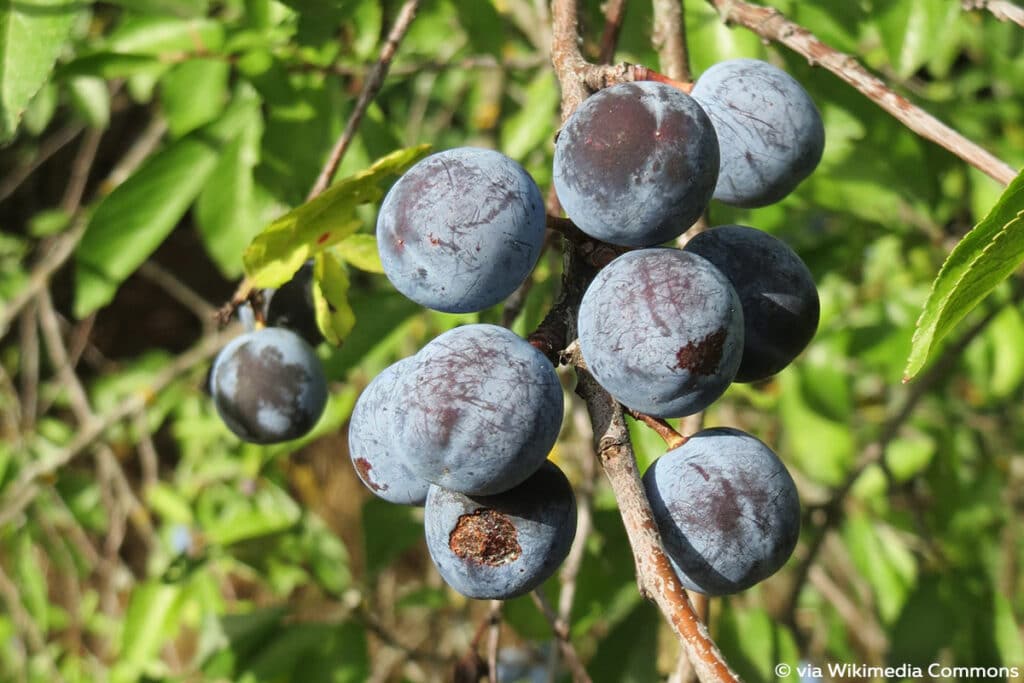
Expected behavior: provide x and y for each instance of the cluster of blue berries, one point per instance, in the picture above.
(464, 427)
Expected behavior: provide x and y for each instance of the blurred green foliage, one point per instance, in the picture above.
(171, 551)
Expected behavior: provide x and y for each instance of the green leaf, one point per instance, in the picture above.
(48, 222)
(908, 29)
(168, 502)
(281, 249)
(109, 65)
(388, 531)
(32, 35)
(136, 217)
(621, 656)
(227, 209)
(179, 8)
(986, 256)
(360, 251)
(160, 35)
(531, 126)
(194, 93)
(41, 108)
(231, 518)
(151, 620)
(91, 99)
(334, 316)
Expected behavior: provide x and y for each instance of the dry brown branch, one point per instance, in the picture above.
(561, 630)
(772, 25)
(493, 639)
(656, 578)
(614, 12)
(1003, 10)
(22, 491)
(371, 87)
(669, 38)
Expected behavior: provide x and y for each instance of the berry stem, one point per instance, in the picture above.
(673, 439)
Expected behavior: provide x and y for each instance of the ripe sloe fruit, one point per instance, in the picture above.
(461, 230)
(481, 409)
(769, 132)
(497, 547)
(780, 301)
(662, 331)
(636, 164)
(727, 509)
(268, 386)
(383, 465)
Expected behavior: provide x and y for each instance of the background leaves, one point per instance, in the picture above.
(172, 551)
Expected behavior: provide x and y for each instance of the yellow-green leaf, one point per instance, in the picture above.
(334, 316)
(360, 251)
(281, 249)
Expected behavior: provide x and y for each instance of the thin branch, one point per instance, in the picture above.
(61, 251)
(561, 631)
(23, 621)
(180, 292)
(672, 438)
(493, 640)
(669, 38)
(371, 87)
(1000, 9)
(614, 12)
(64, 246)
(80, 169)
(655, 575)
(16, 498)
(772, 25)
(28, 334)
(47, 149)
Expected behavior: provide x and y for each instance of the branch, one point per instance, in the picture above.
(561, 630)
(371, 87)
(614, 10)
(669, 38)
(673, 439)
(772, 25)
(1000, 9)
(655, 575)
(17, 496)
(493, 639)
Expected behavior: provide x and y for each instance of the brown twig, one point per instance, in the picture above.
(673, 439)
(61, 249)
(493, 639)
(17, 496)
(1000, 9)
(47, 148)
(372, 85)
(180, 292)
(614, 12)
(656, 578)
(772, 25)
(669, 38)
(562, 637)
(655, 575)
